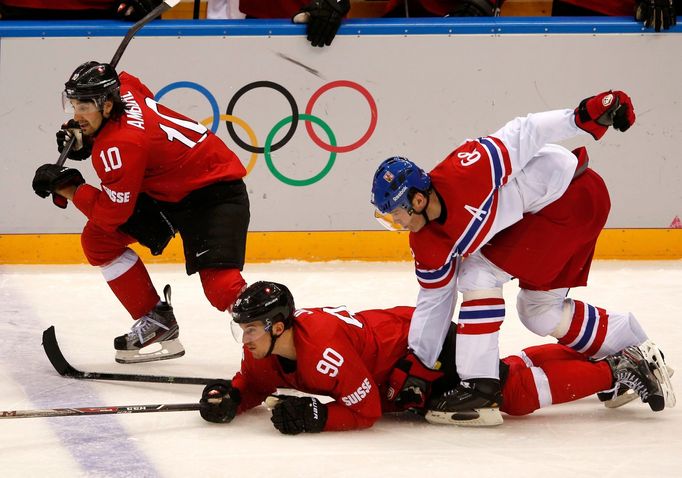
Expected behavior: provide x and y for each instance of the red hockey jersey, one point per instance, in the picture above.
(468, 182)
(151, 149)
(484, 186)
(342, 355)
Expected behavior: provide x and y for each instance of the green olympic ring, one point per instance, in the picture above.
(299, 182)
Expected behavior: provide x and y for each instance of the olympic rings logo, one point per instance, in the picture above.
(268, 147)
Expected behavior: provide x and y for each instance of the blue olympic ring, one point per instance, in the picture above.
(196, 87)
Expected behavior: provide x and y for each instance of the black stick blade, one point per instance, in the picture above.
(54, 354)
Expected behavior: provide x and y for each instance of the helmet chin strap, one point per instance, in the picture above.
(273, 339)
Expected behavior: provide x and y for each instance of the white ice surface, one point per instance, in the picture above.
(580, 439)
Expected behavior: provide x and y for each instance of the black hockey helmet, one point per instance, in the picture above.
(91, 81)
(266, 302)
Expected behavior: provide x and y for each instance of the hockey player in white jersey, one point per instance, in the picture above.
(514, 205)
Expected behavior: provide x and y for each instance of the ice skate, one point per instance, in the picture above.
(661, 371)
(474, 403)
(621, 394)
(152, 337)
(632, 370)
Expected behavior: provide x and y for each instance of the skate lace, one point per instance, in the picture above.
(630, 380)
(143, 325)
(457, 390)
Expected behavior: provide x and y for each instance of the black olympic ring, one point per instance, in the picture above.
(246, 89)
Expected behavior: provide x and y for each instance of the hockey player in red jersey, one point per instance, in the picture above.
(160, 173)
(514, 205)
(349, 357)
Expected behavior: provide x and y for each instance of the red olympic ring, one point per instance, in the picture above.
(372, 122)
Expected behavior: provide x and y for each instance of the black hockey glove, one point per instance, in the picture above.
(219, 402)
(135, 10)
(50, 177)
(294, 415)
(81, 149)
(476, 8)
(149, 225)
(323, 18)
(658, 14)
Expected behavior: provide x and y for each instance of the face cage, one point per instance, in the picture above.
(82, 106)
(250, 333)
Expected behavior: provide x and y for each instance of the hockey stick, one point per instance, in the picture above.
(85, 411)
(65, 151)
(158, 11)
(64, 368)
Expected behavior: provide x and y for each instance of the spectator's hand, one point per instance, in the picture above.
(219, 402)
(611, 108)
(323, 18)
(134, 10)
(410, 382)
(476, 8)
(658, 14)
(293, 415)
(81, 149)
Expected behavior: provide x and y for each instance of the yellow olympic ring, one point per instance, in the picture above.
(245, 127)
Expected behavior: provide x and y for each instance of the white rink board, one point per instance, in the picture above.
(431, 92)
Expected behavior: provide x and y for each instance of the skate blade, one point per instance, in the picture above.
(169, 349)
(480, 417)
(621, 400)
(660, 370)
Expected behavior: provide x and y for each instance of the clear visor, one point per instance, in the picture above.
(388, 220)
(247, 333)
(74, 106)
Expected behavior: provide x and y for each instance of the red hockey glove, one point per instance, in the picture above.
(410, 381)
(596, 113)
